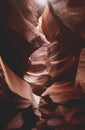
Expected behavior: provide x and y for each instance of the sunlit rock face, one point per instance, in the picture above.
(71, 13)
(62, 103)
